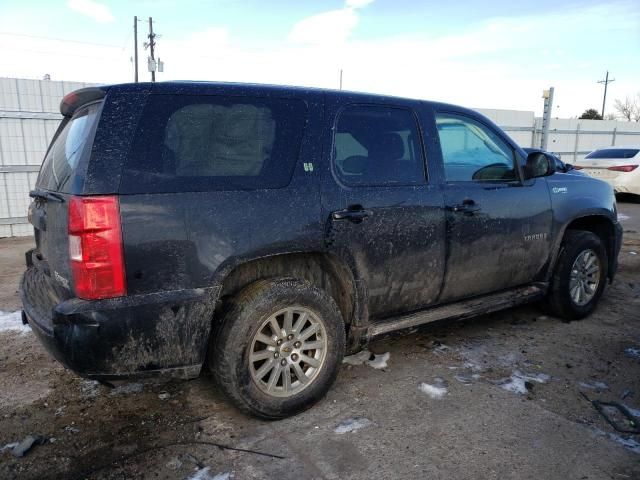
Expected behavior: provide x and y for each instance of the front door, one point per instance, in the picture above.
(498, 227)
(383, 216)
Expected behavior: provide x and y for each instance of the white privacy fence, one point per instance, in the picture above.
(571, 139)
(29, 116)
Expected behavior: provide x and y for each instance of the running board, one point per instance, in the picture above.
(459, 310)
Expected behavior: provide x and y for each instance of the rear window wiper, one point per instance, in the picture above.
(46, 195)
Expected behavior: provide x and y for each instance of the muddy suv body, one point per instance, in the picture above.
(265, 231)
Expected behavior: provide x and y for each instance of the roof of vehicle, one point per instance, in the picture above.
(196, 86)
(618, 147)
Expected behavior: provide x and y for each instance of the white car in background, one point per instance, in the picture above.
(618, 166)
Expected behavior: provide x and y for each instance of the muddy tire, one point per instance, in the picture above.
(579, 277)
(278, 347)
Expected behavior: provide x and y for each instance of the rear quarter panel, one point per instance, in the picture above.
(186, 240)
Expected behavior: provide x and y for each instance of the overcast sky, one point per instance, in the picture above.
(488, 54)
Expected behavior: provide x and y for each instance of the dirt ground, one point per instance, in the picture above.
(497, 397)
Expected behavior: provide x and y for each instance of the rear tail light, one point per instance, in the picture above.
(95, 247)
(623, 168)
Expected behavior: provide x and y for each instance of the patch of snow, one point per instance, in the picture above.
(514, 384)
(358, 358)
(90, 388)
(352, 424)
(633, 352)
(437, 390)
(379, 361)
(473, 366)
(365, 357)
(633, 411)
(13, 321)
(622, 216)
(174, 463)
(466, 378)
(627, 442)
(223, 476)
(441, 348)
(598, 386)
(517, 382)
(164, 395)
(127, 388)
(205, 474)
(9, 446)
(633, 253)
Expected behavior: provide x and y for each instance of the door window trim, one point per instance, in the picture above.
(518, 181)
(422, 150)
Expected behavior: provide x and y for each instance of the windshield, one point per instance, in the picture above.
(614, 153)
(71, 143)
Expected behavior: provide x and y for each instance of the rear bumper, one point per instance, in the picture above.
(135, 336)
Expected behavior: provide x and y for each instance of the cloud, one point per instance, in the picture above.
(89, 8)
(358, 3)
(328, 28)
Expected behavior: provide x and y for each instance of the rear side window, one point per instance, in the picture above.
(197, 143)
(376, 145)
(614, 153)
(67, 154)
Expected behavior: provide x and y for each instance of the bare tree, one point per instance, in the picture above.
(629, 109)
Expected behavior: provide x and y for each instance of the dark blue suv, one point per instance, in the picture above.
(265, 231)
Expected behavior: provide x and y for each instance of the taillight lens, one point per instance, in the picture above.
(95, 247)
(623, 168)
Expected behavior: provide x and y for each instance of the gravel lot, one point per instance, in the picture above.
(494, 397)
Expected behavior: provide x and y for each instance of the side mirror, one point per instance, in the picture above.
(537, 165)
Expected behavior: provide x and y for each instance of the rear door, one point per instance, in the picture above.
(498, 227)
(62, 173)
(382, 214)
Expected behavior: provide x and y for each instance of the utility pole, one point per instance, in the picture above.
(152, 44)
(546, 117)
(606, 82)
(340, 79)
(135, 47)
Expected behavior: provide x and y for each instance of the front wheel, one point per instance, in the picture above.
(278, 348)
(579, 277)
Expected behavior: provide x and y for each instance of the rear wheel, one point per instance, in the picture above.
(278, 347)
(579, 277)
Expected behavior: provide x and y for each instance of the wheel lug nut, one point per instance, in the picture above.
(279, 342)
(276, 355)
(283, 362)
(297, 345)
(294, 357)
(290, 336)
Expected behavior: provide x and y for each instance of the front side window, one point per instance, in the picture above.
(195, 143)
(376, 145)
(473, 152)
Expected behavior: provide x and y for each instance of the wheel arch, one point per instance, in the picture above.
(322, 270)
(602, 226)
